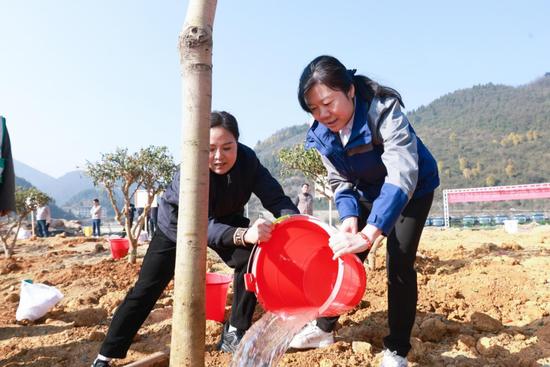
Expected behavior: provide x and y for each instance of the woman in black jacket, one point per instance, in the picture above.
(235, 173)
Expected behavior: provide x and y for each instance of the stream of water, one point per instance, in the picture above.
(268, 339)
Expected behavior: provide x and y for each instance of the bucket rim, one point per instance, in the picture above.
(223, 278)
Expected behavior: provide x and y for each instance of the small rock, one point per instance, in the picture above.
(466, 342)
(418, 349)
(96, 336)
(362, 348)
(12, 267)
(89, 316)
(488, 347)
(484, 322)
(326, 363)
(13, 298)
(432, 329)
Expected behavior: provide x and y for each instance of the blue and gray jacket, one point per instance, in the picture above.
(384, 162)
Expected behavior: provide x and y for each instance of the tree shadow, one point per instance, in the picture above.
(26, 331)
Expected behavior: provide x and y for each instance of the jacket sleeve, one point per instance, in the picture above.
(400, 157)
(7, 184)
(220, 234)
(345, 195)
(270, 192)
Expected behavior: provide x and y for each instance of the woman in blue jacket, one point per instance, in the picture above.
(235, 173)
(383, 178)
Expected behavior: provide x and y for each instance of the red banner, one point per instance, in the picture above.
(499, 193)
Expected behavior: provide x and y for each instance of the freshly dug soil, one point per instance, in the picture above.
(484, 300)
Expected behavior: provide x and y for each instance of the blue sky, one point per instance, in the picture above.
(79, 78)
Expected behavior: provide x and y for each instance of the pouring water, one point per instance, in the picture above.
(268, 339)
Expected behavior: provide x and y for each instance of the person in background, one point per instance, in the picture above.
(132, 213)
(7, 173)
(383, 178)
(43, 218)
(153, 217)
(235, 174)
(95, 212)
(304, 200)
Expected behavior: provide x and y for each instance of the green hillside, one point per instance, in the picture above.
(487, 135)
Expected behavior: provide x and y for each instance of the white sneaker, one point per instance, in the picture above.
(311, 336)
(391, 359)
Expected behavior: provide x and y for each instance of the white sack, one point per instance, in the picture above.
(35, 300)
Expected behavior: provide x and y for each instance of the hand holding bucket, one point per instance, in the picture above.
(346, 243)
(293, 272)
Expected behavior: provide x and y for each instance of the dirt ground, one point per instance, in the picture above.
(484, 300)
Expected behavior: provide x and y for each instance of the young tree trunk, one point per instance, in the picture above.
(8, 251)
(188, 324)
(10, 238)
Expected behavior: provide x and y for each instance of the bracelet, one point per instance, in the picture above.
(364, 236)
(238, 236)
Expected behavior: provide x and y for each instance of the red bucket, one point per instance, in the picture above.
(119, 247)
(294, 271)
(216, 295)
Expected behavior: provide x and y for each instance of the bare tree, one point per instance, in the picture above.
(26, 200)
(150, 169)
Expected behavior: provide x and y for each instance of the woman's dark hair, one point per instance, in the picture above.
(329, 71)
(225, 120)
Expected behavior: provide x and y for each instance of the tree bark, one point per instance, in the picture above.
(188, 324)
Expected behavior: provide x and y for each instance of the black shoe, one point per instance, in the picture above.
(230, 340)
(100, 363)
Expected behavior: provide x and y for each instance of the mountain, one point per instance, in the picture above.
(60, 189)
(22, 182)
(81, 202)
(55, 210)
(487, 135)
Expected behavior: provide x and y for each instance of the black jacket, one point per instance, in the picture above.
(228, 195)
(7, 178)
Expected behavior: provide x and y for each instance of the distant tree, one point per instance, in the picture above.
(462, 163)
(26, 200)
(490, 180)
(308, 162)
(452, 137)
(477, 169)
(440, 166)
(150, 169)
(510, 168)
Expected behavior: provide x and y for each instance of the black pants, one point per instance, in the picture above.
(156, 272)
(402, 244)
